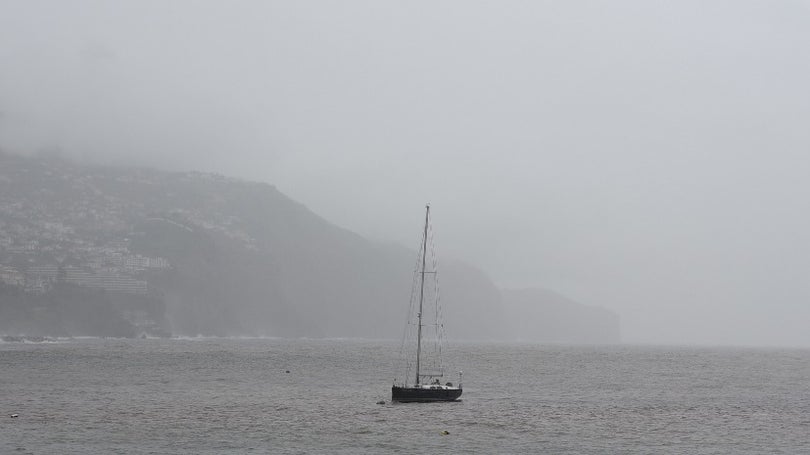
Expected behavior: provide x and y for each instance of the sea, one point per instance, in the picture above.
(314, 396)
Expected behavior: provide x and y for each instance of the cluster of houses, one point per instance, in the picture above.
(36, 268)
(63, 222)
(40, 278)
(37, 249)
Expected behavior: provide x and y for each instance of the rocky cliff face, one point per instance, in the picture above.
(228, 257)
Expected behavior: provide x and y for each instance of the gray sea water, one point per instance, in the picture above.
(214, 396)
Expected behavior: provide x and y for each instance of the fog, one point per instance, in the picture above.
(649, 157)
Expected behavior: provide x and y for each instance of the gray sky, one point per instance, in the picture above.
(647, 156)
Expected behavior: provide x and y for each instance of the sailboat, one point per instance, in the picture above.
(427, 372)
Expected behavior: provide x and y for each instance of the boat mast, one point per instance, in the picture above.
(421, 294)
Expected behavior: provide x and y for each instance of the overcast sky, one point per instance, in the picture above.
(651, 157)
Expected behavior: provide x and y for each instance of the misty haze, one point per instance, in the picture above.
(221, 207)
(649, 159)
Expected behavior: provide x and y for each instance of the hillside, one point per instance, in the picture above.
(540, 315)
(201, 254)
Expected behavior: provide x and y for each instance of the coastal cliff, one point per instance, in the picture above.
(157, 253)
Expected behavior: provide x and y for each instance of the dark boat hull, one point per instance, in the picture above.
(422, 395)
